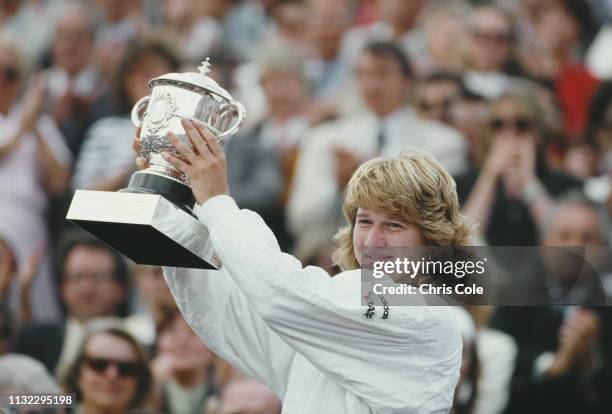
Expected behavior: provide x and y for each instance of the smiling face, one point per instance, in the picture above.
(182, 348)
(381, 82)
(89, 285)
(490, 40)
(408, 201)
(377, 229)
(104, 385)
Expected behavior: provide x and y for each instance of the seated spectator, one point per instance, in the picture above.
(395, 20)
(75, 84)
(261, 160)
(289, 25)
(195, 33)
(122, 22)
(333, 151)
(106, 160)
(34, 166)
(560, 29)
(327, 65)
(155, 303)
(579, 224)
(489, 52)
(212, 27)
(513, 191)
(247, 396)
(445, 35)
(31, 23)
(110, 374)
(185, 368)
(22, 375)
(434, 94)
(93, 283)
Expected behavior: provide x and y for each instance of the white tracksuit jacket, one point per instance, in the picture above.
(305, 335)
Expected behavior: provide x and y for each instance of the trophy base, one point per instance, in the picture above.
(143, 182)
(146, 228)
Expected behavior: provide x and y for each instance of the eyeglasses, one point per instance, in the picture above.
(9, 74)
(520, 124)
(124, 368)
(98, 277)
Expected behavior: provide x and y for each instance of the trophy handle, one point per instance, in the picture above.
(138, 111)
(240, 110)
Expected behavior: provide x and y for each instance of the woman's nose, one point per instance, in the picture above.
(376, 238)
(112, 371)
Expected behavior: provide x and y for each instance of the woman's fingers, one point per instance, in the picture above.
(195, 137)
(141, 163)
(208, 137)
(136, 145)
(177, 162)
(182, 148)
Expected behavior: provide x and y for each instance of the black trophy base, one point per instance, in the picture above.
(144, 244)
(181, 195)
(146, 228)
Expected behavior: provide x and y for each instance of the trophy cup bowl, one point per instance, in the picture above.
(151, 221)
(176, 96)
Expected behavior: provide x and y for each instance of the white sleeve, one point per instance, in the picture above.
(222, 317)
(313, 192)
(497, 355)
(411, 358)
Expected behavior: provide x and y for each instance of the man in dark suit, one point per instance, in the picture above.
(93, 283)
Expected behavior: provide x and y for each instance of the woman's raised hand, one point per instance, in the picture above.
(204, 163)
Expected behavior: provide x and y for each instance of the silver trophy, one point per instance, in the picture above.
(151, 220)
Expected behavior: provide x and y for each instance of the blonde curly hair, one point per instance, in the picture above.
(413, 186)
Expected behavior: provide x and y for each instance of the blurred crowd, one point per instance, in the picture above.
(513, 97)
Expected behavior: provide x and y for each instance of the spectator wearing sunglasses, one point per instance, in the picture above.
(434, 94)
(111, 374)
(513, 190)
(489, 52)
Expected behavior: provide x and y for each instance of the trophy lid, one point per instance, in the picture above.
(201, 80)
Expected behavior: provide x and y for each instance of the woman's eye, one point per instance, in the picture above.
(395, 225)
(363, 222)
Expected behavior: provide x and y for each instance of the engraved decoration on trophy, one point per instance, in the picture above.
(161, 112)
(151, 221)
